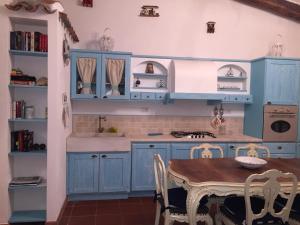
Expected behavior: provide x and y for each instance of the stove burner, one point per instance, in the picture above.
(192, 134)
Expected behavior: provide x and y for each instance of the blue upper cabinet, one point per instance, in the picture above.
(85, 75)
(100, 75)
(83, 170)
(282, 82)
(115, 75)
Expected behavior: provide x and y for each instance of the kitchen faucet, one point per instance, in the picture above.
(100, 128)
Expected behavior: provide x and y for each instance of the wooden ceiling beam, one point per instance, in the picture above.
(281, 8)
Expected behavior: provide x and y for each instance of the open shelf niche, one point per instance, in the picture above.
(141, 80)
(232, 78)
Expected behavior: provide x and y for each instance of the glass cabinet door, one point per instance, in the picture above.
(85, 70)
(115, 76)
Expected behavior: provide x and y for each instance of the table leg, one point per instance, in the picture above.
(193, 200)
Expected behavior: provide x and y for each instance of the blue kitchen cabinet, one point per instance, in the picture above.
(114, 173)
(83, 173)
(99, 85)
(142, 174)
(232, 148)
(273, 81)
(82, 87)
(298, 150)
(108, 89)
(282, 150)
(98, 173)
(282, 82)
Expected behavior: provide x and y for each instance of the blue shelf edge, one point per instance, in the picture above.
(28, 216)
(28, 53)
(37, 152)
(27, 86)
(28, 120)
(27, 187)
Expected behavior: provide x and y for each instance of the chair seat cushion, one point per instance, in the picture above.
(234, 209)
(295, 211)
(177, 202)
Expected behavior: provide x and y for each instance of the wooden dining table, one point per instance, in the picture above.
(221, 177)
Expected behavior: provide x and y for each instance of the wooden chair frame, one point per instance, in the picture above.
(206, 150)
(252, 150)
(161, 182)
(269, 190)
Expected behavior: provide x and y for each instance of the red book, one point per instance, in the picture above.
(18, 109)
(21, 141)
(46, 43)
(40, 43)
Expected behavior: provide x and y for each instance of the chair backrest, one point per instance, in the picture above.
(161, 181)
(207, 150)
(252, 150)
(268, 187)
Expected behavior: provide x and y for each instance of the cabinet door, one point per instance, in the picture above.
(298, 150)
(232, 148)
(282, 82)
(182, 151)
(142, 164)
(114, 172)
(85, 75)
(282, 150)
(115, 76)
(83, 173)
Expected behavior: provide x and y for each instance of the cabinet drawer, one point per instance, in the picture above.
(150, 146)
(281, 148)
(135, 95)
(248, 98)
(160, 96)
(148, 96)
(283, 156)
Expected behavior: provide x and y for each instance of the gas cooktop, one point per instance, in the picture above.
(192, 134)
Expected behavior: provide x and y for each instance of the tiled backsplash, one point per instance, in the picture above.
(87, 125)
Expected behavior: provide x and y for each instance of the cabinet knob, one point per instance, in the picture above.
(279, 147)
(231, 147)
(104, 156)
(94, 156)
(269, 103)
(151, 146)
(95, 96)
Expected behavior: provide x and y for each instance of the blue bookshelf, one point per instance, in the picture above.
(28, 53)
(28, 216)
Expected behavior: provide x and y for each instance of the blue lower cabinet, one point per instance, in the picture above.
(160, 96)
(182, 150)
(135, 95)
(114, 173)
(98, 173)
(142, 174)
(282, 150)
(83, 173)
(298, 150)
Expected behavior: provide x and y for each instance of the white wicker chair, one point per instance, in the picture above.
(172, 202)
(257, 206)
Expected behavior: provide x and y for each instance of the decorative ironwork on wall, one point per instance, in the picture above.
(63, 17)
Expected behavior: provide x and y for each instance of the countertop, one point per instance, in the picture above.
(123, 144)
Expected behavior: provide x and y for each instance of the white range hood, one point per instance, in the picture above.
(193, 77)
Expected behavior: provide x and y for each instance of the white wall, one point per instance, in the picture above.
(242, 32)
(58, 83)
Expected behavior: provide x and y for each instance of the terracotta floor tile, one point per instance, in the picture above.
(131, 200)
(131, 208)
(109, 220)
(82, 220)
(108, 208)
(83, 203)
(84, 211)
(64, 220)
(147, 200)
(68, 211)
(149, 208)
(134, 219)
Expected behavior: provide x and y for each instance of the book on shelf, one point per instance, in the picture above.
(18, 109)
(21, 141)
(17, 181)
(28, 41)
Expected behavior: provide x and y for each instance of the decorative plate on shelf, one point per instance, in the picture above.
(250, 162)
